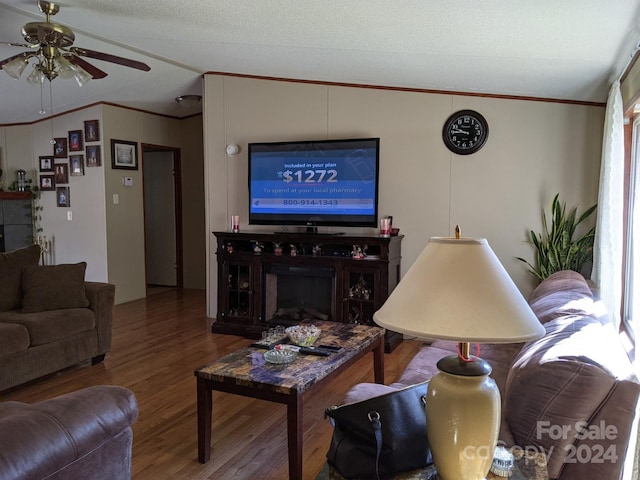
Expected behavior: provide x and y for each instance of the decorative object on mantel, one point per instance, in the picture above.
(458, 290)
(21, 180)
(257, 247)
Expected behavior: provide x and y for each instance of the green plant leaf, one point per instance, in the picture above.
(556, 247)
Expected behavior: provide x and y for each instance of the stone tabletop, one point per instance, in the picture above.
(248, 367)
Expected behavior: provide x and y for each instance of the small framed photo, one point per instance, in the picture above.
(60, 148)
(124, 155)
(75, 141)
(76, 165)
(61, 173)
(47, 183)
(91, 131)
(45, 164)
(62, 197)
(94, 158)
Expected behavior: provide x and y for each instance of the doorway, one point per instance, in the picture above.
(162, 217)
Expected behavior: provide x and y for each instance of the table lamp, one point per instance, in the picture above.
(458, 290)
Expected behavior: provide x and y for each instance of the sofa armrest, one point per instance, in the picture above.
(39, 439)
(101, 298)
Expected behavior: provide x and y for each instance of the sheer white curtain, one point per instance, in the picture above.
(607, 254)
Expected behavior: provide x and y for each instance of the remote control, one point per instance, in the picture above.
(314, 351)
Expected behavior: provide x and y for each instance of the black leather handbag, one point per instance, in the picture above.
(380, 436)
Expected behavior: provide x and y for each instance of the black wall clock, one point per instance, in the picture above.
(465, 132)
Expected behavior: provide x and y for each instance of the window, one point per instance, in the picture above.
(632, 255)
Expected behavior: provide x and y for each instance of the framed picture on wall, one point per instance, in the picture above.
(75, 141)
(91, 131)
(45, 164)
(62, 197)
(61, 173)
(60, 148)
(124, 155)
(47, 183)
(94, 158)
(76, 165)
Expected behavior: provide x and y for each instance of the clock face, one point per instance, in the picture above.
(465, 132)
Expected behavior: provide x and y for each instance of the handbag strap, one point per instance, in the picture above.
(374, 419)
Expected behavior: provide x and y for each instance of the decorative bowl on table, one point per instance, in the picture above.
(280, 356)
(303, 335)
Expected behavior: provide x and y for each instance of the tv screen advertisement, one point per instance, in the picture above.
(330, 182)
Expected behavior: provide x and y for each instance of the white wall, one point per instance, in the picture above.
(534, 150)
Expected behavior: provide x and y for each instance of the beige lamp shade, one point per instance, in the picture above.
(458, 290)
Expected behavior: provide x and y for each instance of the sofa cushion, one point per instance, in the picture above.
(53, 287)
(562, 293)
(561, 380)
(52, 325)
(11, 265)
(13, 338)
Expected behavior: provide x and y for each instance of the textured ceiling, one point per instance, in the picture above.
(564, 50)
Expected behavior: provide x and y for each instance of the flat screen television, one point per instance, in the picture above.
(314, 183)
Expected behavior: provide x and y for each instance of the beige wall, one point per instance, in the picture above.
(16, 152)
(535, 149)
(108, 236)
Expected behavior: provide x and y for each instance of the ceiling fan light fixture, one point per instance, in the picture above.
(81, 76)
(36, 77)
(15, 67)
(189, 101)
(65, 68)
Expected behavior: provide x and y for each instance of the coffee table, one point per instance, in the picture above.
(245, 372)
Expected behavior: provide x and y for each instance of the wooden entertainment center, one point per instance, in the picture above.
(261, 274)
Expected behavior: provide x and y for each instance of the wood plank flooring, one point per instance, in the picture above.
(158, 342)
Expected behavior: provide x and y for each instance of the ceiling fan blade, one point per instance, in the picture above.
(110, 58)
(95, 72)
(26, 55)
(21, 45)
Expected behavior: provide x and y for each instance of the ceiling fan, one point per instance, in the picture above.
(51, 44)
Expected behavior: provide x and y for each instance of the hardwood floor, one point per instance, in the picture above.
(158, 342)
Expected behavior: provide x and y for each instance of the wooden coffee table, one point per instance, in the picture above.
(246, 372)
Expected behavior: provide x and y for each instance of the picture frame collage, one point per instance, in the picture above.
(70, 156)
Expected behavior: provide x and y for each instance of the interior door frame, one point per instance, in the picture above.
(177, 185)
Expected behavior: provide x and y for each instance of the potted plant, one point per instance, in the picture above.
(556, 247)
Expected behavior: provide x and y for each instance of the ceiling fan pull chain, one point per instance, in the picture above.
(52, 140)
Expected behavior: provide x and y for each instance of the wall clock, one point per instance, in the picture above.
(465, 132)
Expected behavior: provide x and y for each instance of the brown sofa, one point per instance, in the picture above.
(50, 318)
(85, 434)
(571, 394)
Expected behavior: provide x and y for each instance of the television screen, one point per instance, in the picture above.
(314, 183)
